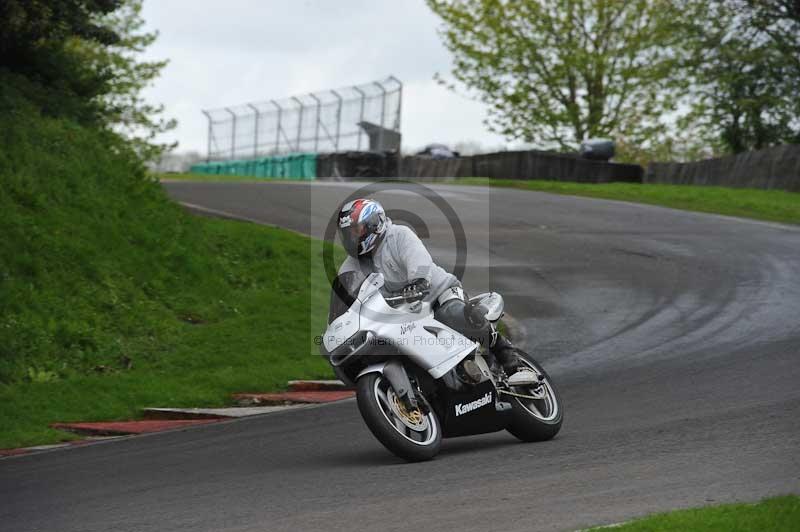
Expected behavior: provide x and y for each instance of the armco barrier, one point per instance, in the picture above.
(301, 166)
(777, 167)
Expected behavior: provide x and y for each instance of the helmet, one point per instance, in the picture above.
(362, 224)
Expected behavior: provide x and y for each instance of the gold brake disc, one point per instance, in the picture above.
(413, 419)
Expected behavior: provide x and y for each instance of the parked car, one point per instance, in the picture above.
(438, 151)
(597, 149)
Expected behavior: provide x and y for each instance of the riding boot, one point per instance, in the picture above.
(518, 373)
(506, 354)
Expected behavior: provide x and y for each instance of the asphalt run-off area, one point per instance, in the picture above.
(673, 336)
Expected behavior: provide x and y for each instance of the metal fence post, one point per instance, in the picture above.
(316, 130)
(233, 133)
(299, 123)
(383, 113)
(210, 134)
(399, 102)
(278, 129)
(360, 115)
(255, 130)
(338, 120)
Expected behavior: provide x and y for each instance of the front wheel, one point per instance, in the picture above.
(537, 410)
(412, 435)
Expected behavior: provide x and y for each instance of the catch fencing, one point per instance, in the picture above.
(360, 117)
(777, 167)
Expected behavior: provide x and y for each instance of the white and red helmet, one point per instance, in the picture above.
(362, 224)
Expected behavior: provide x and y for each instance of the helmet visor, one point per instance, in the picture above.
(352, 237)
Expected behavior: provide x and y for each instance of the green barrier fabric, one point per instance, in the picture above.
(298, 166)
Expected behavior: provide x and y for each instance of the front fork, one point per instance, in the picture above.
(398, 378)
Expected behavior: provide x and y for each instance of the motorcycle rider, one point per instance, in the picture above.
(375, 244)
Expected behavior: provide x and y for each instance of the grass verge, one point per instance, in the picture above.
(779, 513)
(769, 205)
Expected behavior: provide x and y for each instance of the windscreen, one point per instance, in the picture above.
(343, 293)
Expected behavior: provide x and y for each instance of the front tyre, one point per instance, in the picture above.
(412, 435)
(537, 410)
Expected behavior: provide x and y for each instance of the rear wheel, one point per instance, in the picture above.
(410, 434)
(537, 410)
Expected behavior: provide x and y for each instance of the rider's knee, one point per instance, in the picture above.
(451, 313)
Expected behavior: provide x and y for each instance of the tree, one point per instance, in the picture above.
(557, 72)
(746, 73)
(779, 20)
(83, 56)
(32, 44)
(30, 25)
(122, 104)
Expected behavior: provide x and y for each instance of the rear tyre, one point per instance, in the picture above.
(536, 419)
(413, 436)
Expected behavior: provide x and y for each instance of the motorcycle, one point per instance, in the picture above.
(418, 381)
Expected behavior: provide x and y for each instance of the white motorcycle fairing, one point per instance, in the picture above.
(371, 322)
(418, 381)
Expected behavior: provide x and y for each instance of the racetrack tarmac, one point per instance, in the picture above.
(674, 338)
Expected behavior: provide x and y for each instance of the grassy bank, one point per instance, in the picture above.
(779, 513)
(112, 298)
(234, 317)
(770, 205)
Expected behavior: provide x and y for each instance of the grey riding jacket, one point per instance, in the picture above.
(402, 257)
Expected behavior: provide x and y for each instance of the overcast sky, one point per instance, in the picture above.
(230, 52)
